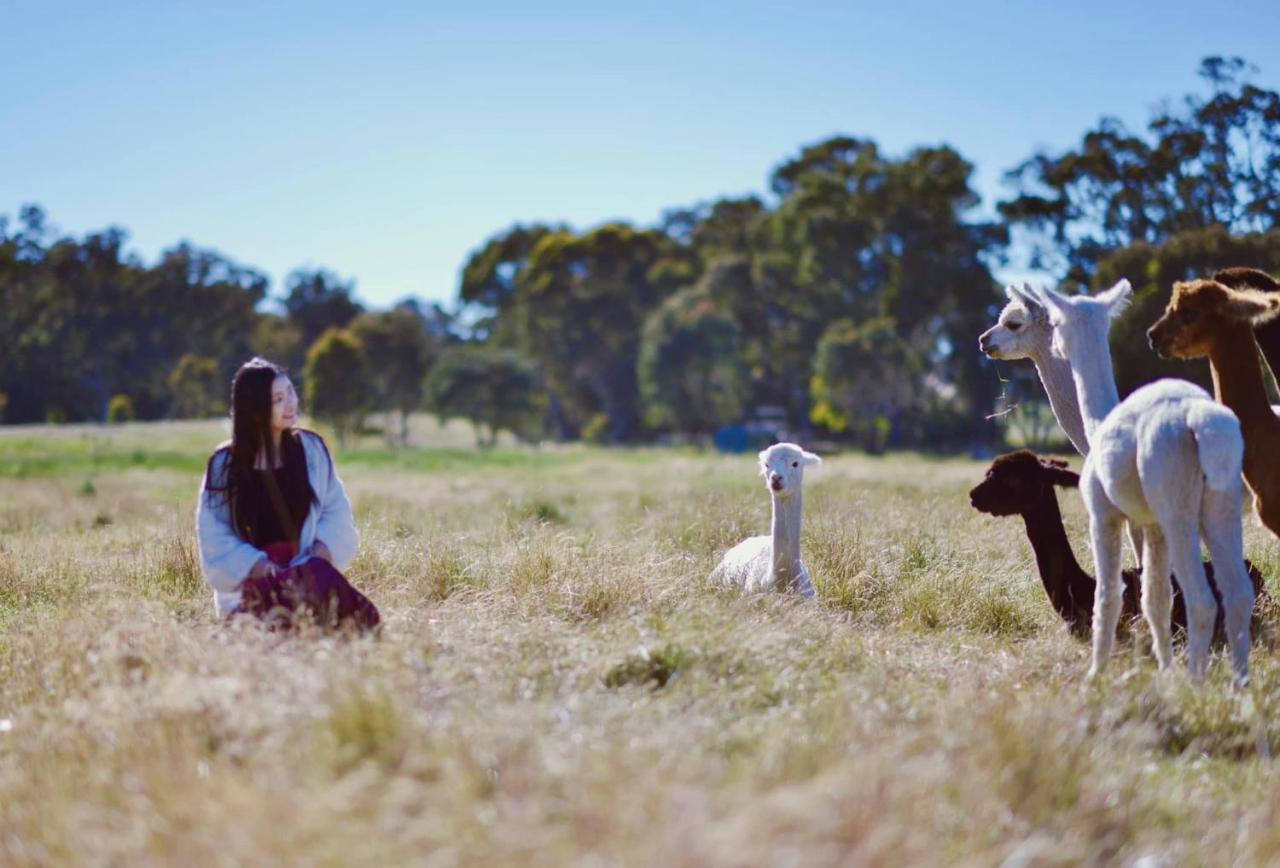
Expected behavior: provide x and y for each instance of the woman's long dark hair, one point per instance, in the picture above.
(251, 436)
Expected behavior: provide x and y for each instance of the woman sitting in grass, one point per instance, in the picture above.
(273, 520)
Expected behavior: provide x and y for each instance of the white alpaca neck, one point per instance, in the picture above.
(1095, 380)
(786, 540)
(1059, 385)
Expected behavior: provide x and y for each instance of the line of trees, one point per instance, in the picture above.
(847, 299)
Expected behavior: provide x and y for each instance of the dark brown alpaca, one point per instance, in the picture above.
(1020, 483)
(1268, 334)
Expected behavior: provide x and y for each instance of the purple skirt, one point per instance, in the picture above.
(311, 592)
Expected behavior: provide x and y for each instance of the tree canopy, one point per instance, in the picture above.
(495, 390)
(690, 365)
(338, 381)
(1212, 160)
(846, 295)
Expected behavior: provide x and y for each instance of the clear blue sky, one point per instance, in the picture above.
(387, 140)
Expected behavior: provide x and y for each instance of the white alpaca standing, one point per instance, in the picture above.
(1023, 332)
(1167, 459)
(772, 563)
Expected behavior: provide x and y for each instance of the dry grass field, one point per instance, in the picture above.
(556, 683)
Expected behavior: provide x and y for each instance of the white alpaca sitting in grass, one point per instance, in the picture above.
(772, 563)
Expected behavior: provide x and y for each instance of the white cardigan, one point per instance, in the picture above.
(226, 559)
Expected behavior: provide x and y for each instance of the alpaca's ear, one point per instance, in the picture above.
(1025, 296)
(1053, 300)
(1253, 306)
(1117, 297)
(809, 458)
(1055, 470)
(1246, 278)
(1272, 312)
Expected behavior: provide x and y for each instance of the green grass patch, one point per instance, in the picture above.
(648, 667)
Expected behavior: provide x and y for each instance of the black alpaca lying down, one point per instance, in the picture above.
(1022, 484)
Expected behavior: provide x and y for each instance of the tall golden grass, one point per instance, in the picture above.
(557, 684)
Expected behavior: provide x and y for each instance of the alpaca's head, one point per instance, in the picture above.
(1019, 481)
(1080, 321)
(1201, 312)
(782, 466)
(1022, 331)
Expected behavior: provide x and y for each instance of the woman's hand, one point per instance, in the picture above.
(263, 569)
(320, 550)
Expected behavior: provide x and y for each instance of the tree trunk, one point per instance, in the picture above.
(619, 425)
(559, 429)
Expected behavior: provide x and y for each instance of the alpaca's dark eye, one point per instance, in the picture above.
(795, 463)
(1013, 326)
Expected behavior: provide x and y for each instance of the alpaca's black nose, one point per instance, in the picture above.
(977, 497)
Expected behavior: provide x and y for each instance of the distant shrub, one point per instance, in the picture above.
(866, 378)
(196, 388)
(337, 381)
(690, 369)
(120, 409)
(494, 390)
(596, 429)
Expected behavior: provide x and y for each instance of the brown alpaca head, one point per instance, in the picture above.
(1020, 481)
(1202, 311)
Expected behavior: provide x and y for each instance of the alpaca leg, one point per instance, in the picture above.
(1157, 594)
(1202, 609)
(1220, 524)
(1135, 543)
(1105, 532)
(804, 585)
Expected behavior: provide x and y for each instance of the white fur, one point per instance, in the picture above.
(1168, 460)
(1023, 332)
(772, 563)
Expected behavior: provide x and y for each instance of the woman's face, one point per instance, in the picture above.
(284, 404)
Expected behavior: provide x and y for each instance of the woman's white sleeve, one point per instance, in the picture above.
(336, 524)
(225, 559)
